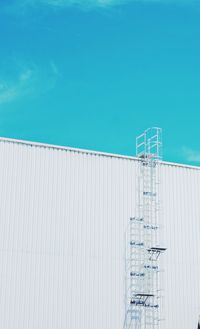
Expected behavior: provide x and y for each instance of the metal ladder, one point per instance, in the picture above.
(143, 293)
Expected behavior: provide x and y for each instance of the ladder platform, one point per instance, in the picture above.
(152, 305)
(151, 267)
(138, 219)
(137, 274)
(141, 299)
(155, 252)
(150, 227)
(144, 295)
(149, 193)
(136, 244)
(147, 155)
(156, 249)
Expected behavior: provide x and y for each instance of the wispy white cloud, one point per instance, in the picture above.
(26, 80)
(85, 3)
(191, 155)
(68, 3)
(19, 85)
(21, 6)
(102, 3)
(54, 68)
(90, 4)
(7, 93)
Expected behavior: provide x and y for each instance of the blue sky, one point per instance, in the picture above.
(95, 73)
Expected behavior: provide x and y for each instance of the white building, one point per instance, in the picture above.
(63, 215)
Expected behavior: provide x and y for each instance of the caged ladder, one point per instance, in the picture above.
(143, 250)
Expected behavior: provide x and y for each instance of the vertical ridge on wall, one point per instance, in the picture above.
(181, 215)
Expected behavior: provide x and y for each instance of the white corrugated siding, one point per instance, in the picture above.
(63, 215)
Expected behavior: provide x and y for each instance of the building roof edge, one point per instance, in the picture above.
(73, 149)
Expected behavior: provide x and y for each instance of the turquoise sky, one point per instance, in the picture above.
(94, 74)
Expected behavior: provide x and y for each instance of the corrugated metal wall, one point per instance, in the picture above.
(63, 216)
